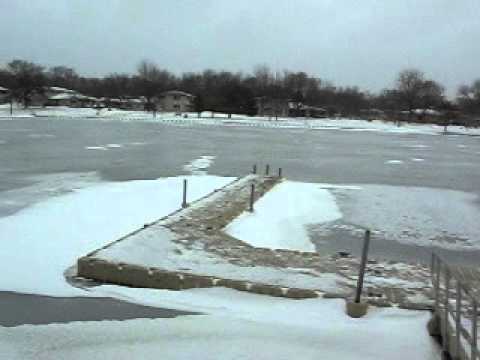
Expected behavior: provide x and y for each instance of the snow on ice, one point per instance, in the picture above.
(394, 162)
(414, 215)
(199, 166)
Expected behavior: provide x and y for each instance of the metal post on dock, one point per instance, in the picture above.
(363, 264)
(252, 197)
(184, 201)
(267, 170)
(254, 171)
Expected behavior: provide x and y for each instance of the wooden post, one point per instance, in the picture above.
(252, 197)
(363, 263)
(279, 172)
(267, 169)
(254, 171)
(474, 354)
(184, 201)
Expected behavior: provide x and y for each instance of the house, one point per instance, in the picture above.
(302, 110)
(4, 95)
(58, 96)
(287, 108)
(52, 96)
(421, 115)
(272, 107)
(55, 90)
(135, 104)
(175, 101)
(372, 114)
(62, 99)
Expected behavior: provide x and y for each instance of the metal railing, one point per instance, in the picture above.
(456, 307)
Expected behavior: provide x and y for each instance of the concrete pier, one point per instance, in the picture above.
(200, 227)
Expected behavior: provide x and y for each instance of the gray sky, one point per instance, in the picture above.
(363, 42)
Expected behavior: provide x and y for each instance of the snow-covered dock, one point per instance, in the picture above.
(194, 247)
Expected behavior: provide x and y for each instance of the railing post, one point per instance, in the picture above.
(458, 309)
(267, 170)
(252, 197)
(445, 322)
(433, 264)
(437, 284)
(279, 172)
(254, 170)
(184, 201)
(363, 263)
(474, 344)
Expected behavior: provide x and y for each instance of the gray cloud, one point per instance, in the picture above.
(349, 42)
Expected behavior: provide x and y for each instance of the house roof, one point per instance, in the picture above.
(177, 92)
(136, 101)
(62, 96)
(423, 112)
(314, 108)
(60, 89)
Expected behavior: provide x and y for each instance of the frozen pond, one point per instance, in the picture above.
(413, 191)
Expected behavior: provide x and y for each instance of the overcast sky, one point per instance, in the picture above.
(348, 42)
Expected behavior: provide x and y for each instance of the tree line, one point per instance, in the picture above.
(225, 91)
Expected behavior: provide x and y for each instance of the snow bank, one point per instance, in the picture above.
(282, 215)
(220, 119)
(40, 242)
(249, 327)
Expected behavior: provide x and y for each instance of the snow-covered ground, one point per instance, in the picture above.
(61, 223)
(41, 241)
(238, 326)
(281, 217)
(219, 119)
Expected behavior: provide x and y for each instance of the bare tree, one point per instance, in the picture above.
(409, 88)
(116, 85)
(415, 91)
(431, 94)
(263, 79)
(63, 76)
(147, 81)
(151, 80)
(468, 98)
(28, 77)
